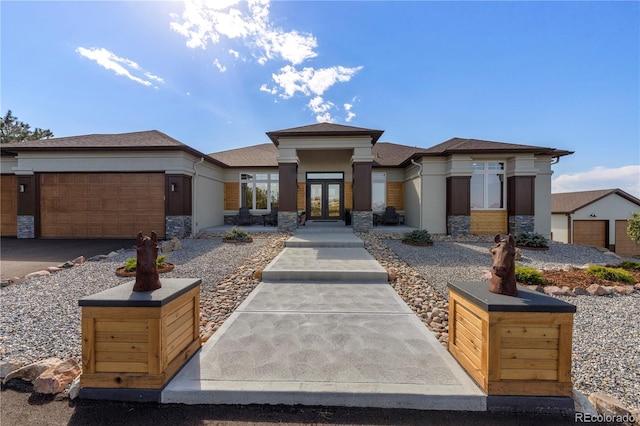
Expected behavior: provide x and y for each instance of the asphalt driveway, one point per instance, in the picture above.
(19, 257)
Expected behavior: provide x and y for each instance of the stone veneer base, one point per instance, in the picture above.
(287, 221)
(26, 227)
(361, 221)
(521, 223)
(178, 226)
(459, 225)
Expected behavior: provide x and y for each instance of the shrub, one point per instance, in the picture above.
(610, 274)
(531, 239)
(528, 275)
(633, 227)
(237, 233)
(130, 263)
(631, 265)
(419, 237)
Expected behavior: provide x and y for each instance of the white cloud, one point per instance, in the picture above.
(272, 90)
(121, 66)
(234, 53)
(350, 114)
(220, 67)
(310, 81)
(626, 178)
(204, 22)
(321, 109)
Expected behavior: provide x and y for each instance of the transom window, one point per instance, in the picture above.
(259, 191)
(487, 185)
(378, 191)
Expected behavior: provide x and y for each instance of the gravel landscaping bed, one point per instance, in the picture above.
(41, 316)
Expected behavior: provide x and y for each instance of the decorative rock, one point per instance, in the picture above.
(171, 245)
(583, 405)
(257, 274)
(97, 258)
(391, 276)
(537, 288)
(32, 371)
(6, 367)
(553, 290)
(596, 290)
(37, 274)
(53, 269)
(624, 289)
(567, 291)
(78, 260)
(74, 389)
(637, 286)
(579, 291)
(55, 379)
(112, 254)
(608, 405)
(67, 264)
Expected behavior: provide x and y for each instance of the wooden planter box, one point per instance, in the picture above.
(139, 340)
(518, 346)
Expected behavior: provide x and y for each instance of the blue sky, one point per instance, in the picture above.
(218, 75)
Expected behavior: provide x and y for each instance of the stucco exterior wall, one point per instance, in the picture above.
(542, 206)
(7, 164)
(412, 188)
(559, 228)
(434, 195)
(208, 196)
(325, 161)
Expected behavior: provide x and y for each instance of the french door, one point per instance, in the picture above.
(325, 200)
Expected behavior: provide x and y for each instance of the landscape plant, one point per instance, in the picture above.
(610, 274)
(237, 234)
(633, 227)
(528, 275)
(130, 263)
(531, 239)
(630, 265)
(418, 237)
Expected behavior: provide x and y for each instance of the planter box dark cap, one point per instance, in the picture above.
(124, 296)
(526, 300)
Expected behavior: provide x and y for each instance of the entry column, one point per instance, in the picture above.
(288, 183)
(362, 215)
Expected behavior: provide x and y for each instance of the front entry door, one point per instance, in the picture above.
(324, 200)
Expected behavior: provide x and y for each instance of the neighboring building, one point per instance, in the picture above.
(595, 218)
(112, 186)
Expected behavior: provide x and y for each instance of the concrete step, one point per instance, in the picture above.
(330, 239)
(324, 227)
(324, 264)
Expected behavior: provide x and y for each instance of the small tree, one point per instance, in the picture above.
(633, 229)
(13, 130)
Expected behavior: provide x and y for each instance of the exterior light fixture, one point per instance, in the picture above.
(173, 187)
(22, 187)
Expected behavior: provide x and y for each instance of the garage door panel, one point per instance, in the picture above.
(590, 232)
(8, 205)
(101, 205)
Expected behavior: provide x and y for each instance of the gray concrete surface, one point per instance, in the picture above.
(315, 342)
(19, 257)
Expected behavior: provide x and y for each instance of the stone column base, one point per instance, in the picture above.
(26, 227)
(459, 225)
(361, 221)
(178, 226)
(287, 221)
(521, 223)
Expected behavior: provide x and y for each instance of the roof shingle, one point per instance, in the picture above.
(570, 202)
(325, 129)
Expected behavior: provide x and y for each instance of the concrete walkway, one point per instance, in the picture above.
(325, 328)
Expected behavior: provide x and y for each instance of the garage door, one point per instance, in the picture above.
(8, 206)
(590, 232)
(625, 246)
(101, 205)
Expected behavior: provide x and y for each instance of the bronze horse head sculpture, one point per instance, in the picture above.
(503, 272)
(147, 277)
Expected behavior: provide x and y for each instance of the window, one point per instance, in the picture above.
(487, 185)
(259, 191)
(378, 191)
